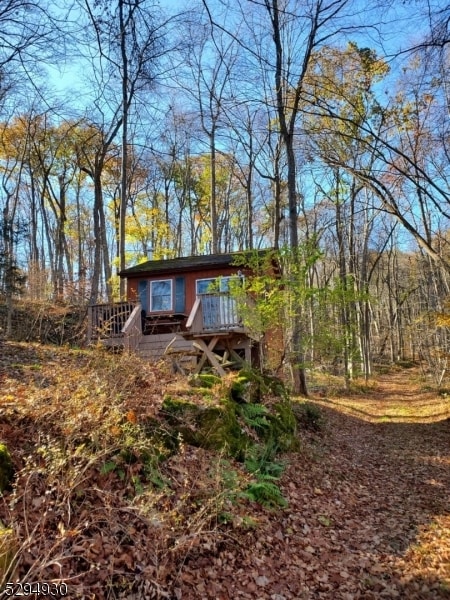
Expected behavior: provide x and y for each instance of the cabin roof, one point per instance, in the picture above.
(183, 264)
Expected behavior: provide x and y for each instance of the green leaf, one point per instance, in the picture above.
(108, 467)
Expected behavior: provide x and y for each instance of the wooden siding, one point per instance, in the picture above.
(190, 281)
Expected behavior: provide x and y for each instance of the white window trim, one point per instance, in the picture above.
(151, 295)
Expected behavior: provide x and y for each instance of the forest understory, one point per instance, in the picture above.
(365, 515)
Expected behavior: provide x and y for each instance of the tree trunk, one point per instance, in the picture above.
(286, 131)
(124, 160)
(213, 197)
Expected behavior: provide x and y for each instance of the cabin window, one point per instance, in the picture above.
(204, 286)
(221, 284)
(225, 283)
(161, 295)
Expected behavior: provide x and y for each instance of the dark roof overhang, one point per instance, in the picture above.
(188, 263)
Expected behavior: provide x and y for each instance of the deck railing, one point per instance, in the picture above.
(219, 312)
(107, 320)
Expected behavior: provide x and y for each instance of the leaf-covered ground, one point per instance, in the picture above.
(368, 513)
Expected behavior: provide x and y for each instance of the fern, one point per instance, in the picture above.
(265, 493)
(259, 461)
(255, 416)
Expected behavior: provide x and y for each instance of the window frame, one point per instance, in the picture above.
(163, 310)
(211, 280)
(221, 280)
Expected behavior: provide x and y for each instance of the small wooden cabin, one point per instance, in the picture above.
(183, 308)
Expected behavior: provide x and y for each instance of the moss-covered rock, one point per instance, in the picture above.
(204, 380)
(247, 387)
(238, 421)
(251, 386)
(174, 408)
(6, 468)
(212, 427)
(219, 428)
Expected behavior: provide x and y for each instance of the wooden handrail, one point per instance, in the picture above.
(193, 313)
(132, 330)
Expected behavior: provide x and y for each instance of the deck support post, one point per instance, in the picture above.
(208, 355)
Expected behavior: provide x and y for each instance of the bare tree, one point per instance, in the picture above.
(129, 39)
(206, 79)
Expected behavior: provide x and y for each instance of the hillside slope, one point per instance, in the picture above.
(367, 514)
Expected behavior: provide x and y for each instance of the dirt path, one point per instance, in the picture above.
(368, 515)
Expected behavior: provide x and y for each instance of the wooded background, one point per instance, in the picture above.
(130, 131)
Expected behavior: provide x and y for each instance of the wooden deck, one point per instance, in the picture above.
(212, 333)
